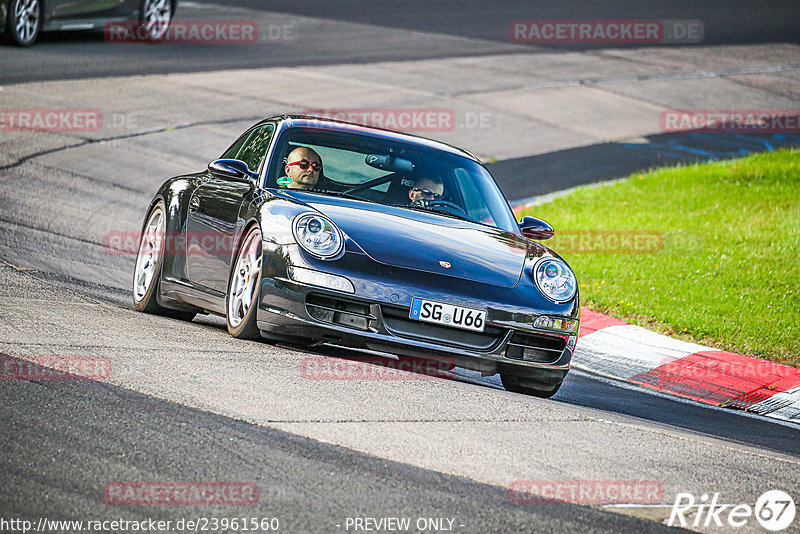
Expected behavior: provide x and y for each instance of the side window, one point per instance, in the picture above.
(255, 148)
(252, 146)
(235, 147)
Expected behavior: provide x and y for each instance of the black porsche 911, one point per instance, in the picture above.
(309, 230)
(21, 21)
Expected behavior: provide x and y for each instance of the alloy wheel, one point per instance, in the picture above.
(245, 279)
(26, 20)
(156, 17)
(147, 260)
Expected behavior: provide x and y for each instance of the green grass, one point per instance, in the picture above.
(725, 271)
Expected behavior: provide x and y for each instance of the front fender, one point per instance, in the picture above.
(275, 215)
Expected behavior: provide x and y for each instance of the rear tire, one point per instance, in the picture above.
(517, 384)
(23, 22)
(149, 261)
(241, 303)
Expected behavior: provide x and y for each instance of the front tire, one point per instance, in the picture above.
(24, 20)
(149, 261)
(243, 288)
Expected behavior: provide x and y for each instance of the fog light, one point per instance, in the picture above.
(554, 323)
(320, 279)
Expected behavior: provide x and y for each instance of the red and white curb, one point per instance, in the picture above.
(613, 348)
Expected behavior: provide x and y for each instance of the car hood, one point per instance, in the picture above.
(428, 242)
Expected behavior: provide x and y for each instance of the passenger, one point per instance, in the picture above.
(303, 167)
(425, 190)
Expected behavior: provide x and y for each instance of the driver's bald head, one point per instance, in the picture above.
(303, 152)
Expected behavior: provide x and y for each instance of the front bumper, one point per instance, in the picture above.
(376, 316)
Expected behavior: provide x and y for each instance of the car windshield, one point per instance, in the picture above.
(391, 172)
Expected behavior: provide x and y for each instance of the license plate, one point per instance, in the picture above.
(447, 314)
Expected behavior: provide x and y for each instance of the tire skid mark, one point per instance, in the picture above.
(141, 133)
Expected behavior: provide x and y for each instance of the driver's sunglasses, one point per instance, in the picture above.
(304, 163)
(427, 193)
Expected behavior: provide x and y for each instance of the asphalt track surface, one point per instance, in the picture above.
(527, 177)
(63, 441)
(307, 485)
(725, 22)
(328, 32)
(324, 33)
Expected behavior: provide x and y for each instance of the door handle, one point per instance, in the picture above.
(194, 204)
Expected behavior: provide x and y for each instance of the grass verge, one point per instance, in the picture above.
(708, 253)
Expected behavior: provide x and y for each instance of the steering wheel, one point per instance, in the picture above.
(447, 205)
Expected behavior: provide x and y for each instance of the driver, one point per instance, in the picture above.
(425, 190)
(303, 167)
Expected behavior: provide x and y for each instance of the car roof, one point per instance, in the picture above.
(349, 127)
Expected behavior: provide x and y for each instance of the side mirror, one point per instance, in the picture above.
(232, 169)
(534, 228)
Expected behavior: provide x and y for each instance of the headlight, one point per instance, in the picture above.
(318, 235)
(555, 280)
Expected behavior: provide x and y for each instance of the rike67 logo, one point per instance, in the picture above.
(774, 510)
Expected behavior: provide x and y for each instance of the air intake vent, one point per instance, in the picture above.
(536, 347)
(338, 311)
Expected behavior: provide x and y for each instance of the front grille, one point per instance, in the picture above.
(339, 311)
(536, 347)
(398, 323)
